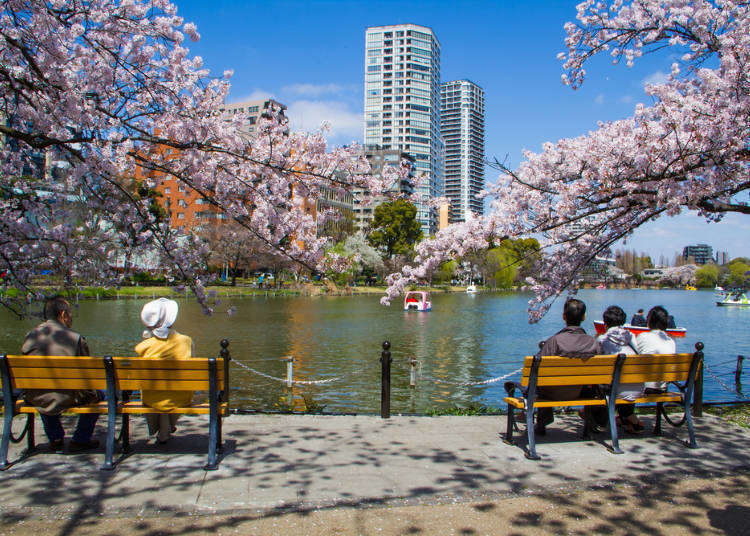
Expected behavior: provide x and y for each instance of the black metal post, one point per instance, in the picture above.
(738, 372)
(698, 393)
(385, 381)
(109, 368)
(8, 409)
(213, 415)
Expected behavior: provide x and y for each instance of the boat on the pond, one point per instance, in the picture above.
(471, 289)
(738, 298)
(417, 300)
(690, 287)
(601, 287)
(637, 330)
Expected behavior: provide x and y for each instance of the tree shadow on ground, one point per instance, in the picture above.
(295, 467)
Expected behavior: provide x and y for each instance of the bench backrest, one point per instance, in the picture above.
(596, 370)
(131, 373)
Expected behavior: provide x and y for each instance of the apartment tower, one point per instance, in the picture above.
(402, 104)
(462, 126)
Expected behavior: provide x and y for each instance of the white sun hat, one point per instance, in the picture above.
(158, 316)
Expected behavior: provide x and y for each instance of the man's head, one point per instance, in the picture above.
(640, 311)
(57, 308)
(658, 318)
(614, 316)
(574, 312)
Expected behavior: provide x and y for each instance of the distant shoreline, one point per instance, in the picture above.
(308, 289)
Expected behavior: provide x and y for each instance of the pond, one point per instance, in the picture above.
(465, 338)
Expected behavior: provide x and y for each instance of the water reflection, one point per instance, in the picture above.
(465, 338)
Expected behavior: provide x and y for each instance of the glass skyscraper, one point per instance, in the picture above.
(402, 104)
(462, 126)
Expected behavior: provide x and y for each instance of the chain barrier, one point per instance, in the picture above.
(483, 382)
(284, 380)
(724, 385)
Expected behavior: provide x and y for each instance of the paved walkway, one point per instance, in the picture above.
(292, 462)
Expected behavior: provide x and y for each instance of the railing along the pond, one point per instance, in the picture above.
(415, 375)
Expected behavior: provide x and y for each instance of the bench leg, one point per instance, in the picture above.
(509, 428)
(213, 434)
(691, 431)
(5, 441)
(531, 454)
(659, 411)
(30, 440)
(613, 428)
(220, 442)
(125, 433)
(109, 453)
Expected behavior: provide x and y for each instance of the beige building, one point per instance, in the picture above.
(253, 110)
(444, 216)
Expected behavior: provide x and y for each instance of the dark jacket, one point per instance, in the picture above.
(638, 320)
(51, 338)
(571, 341)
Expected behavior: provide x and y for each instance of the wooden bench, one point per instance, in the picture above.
(118, 377)
(610, 371)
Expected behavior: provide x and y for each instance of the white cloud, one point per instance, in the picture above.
(257, 94)
(657, 78)
(309, 115)
(599, 99)
(315, 90)
(626, 99)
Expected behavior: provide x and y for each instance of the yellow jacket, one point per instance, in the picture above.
(176, 346)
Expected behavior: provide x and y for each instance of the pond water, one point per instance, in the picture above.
(465, 338)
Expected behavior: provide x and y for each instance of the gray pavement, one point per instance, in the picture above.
(298, 462)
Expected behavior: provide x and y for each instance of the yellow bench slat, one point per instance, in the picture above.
(609, 370)
(54, 384)
(130, 374)
(542, 403)
(559, 361)
(194, 363)
(137, 407)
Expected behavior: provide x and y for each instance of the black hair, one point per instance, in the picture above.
(55, 306)
(640, 311)
(614, 316)
(658, 318)
(574, 311)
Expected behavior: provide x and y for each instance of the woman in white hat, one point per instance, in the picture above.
(162, 342)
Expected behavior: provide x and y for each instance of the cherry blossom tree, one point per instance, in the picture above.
(92, 89)
(685, 150)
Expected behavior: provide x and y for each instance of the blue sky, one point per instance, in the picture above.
(310, 56)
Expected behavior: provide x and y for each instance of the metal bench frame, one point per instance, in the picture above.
(216, 397)
(529, 395)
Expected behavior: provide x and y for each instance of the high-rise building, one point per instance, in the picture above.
(402, 104)
(364, 201)
(701, 253)
(462, 126)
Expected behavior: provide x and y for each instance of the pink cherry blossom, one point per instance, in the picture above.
(687, 150)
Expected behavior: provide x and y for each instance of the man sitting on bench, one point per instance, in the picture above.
(53, 337)
(571, 341)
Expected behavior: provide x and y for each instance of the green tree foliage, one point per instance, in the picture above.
(395, 228)
(502, 263)
(739, 274)
(707, 276)
(447, 271)
(525, 254)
